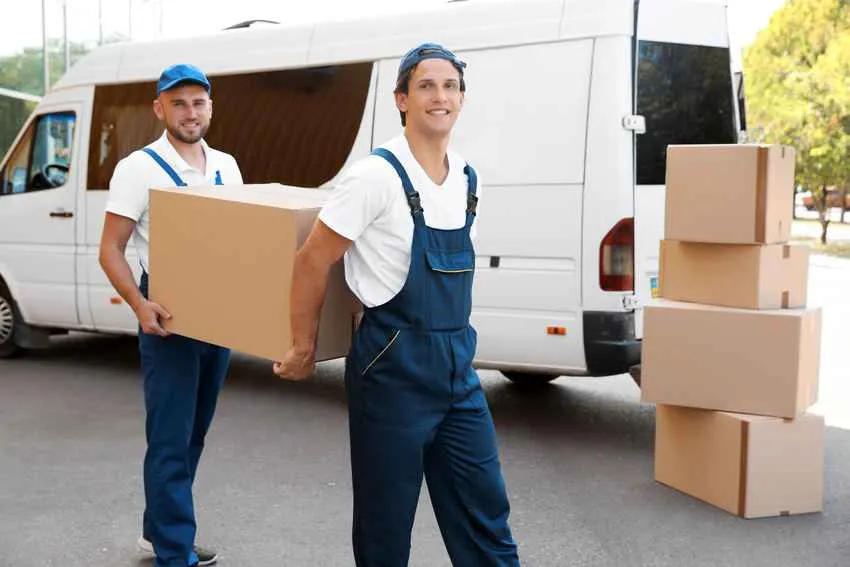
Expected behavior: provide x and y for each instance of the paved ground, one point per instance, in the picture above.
(274, 487)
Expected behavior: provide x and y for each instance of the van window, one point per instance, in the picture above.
(42, 158)
(295, 127)
(685, 93)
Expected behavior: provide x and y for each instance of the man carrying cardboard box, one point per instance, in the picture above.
(182, 376)
(403, 217)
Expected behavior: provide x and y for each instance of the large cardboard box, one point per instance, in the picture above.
(221, 263)
(734, 194)
(721, 358)
(751, 466)
(750, 276)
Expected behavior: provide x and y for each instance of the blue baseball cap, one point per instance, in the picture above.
(428, 51)
(180, 74)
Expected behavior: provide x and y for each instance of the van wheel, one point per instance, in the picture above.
(528, 378)
(8, 348)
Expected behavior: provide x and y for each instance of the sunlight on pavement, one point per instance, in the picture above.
(829, 288)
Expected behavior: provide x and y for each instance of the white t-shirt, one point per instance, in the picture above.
(369, 207)
(138, 173)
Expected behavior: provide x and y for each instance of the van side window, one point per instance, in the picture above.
(291, 126)
(42, 158)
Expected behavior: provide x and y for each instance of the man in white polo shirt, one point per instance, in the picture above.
(182, 376)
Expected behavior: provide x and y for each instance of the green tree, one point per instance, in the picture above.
(24, 71)
(13, 114)
(798, 92)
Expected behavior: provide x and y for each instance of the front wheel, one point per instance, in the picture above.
(528, 378)
(8, 348)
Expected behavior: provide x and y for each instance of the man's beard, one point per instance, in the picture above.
(185, 138)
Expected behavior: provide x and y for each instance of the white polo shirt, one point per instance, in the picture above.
(369, 207)
(138, 173)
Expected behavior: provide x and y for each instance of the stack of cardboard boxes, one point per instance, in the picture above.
(731, 353)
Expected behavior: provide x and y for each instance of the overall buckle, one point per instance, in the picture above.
(471, 203)
(415, 203)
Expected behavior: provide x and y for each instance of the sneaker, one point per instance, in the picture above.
(205, 556)
(145, 546)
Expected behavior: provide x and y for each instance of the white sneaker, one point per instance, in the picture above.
(145, 546)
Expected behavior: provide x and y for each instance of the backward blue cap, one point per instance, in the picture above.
(181, 74)
(428, 51)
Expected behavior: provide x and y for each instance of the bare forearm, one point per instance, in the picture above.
(313, 263)
(115, 265)
(309, 282)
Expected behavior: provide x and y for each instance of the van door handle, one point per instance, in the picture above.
(61, 214)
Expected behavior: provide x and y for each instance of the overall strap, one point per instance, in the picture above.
(164, 165)
(412, 196)
(471, 197)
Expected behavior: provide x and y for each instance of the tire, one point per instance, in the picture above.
(528, 378)
(8, 316)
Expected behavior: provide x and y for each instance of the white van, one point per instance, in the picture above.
(559, 93)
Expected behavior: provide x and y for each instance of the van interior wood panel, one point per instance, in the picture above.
(294, 127)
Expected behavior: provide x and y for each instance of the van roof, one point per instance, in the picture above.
(462, 26)
(9, 93)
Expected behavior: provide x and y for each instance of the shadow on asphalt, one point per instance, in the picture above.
(569, 409)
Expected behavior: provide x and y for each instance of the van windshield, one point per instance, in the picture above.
(685, 94)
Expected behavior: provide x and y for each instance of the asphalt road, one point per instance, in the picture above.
(274, 485)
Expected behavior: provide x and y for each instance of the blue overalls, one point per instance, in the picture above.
(182, 380)
(416, 407)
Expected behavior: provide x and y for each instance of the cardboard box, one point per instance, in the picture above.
(734, 194)
(221, 263)
(750, 276)
(750, 466)
(720, 358)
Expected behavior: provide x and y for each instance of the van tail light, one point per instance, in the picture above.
(616, 257)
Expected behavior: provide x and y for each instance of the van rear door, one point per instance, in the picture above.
(685, 93)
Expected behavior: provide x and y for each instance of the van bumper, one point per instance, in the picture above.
(610, 345)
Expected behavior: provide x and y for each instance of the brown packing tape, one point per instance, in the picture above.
(783, 157)
(782, 154)
(786, 255)
(761, 195)
(742, 472)
(785, 513)
(662, 268)
(779, 226)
